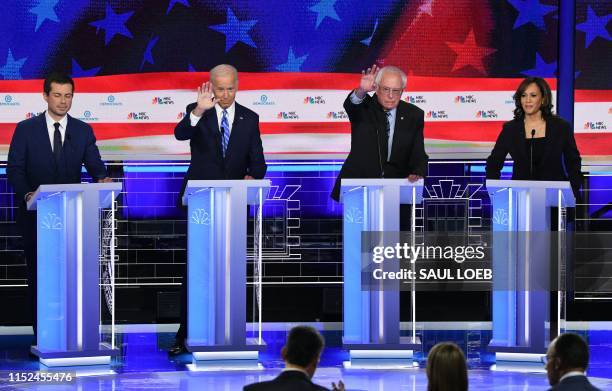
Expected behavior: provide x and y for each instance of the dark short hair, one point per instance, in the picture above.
(59, 78)
(546, 97)
(304, 344)
(572, 351)
(446, 368)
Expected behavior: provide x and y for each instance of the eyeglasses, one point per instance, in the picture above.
(392, 91)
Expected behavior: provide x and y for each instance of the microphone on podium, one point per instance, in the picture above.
(533, 132)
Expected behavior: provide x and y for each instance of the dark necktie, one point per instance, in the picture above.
(387, 134)
(57, 142)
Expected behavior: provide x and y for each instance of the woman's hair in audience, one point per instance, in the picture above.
(446, 368)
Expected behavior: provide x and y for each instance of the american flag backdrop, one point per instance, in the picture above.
(137, 64)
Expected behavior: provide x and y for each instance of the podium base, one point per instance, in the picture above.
(241, 354)
(382, 356)
(70, 358)
(500, 347)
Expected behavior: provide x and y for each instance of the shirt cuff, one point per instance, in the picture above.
(355, 99)
(194, 119)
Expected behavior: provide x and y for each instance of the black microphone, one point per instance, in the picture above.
(533, 132)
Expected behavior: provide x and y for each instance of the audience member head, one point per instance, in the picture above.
(446, 368)
(567, 353)
(303, 349)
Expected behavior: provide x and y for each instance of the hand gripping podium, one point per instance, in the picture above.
(521, 215)
(216, 267)
(371, 317)
(68, 228)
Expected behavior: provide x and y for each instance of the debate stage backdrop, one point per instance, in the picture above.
(138, 64)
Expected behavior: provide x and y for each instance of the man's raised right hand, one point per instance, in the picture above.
(367, 83)
(206, 99)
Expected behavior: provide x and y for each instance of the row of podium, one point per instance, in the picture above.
(69, 301)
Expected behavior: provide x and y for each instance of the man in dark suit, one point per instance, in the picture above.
(386, 132)
(301, 355)
(49, 149)
(566, 361)
(225, 144)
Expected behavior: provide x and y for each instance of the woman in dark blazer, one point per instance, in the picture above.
(541, 144)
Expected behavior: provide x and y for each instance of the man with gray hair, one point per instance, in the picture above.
(225, 144)
(386, 132)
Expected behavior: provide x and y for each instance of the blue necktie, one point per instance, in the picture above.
(225, 132)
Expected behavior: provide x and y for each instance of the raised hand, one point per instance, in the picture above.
(206, 99)
(367, 82)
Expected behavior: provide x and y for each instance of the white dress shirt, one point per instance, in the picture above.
(51, 129)
(571, 374)
(231, 111)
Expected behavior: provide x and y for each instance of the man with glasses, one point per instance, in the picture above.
(566, 362)
(386, 132)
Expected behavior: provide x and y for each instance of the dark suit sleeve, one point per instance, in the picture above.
(92, 160)
(16, 165)
(183, 130)
(572, 160)
(418, 157)
(257, 162)
(495, 161)
(352, 110)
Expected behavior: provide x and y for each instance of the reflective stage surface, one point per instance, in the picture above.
(145, 365)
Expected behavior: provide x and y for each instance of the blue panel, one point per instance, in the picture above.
(201, 271)
(354, 222)
(51, 225)
(504, 302)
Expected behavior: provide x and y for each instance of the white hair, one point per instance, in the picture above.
(223, 70)
(392, 69)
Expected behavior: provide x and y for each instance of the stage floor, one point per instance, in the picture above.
(145, 365)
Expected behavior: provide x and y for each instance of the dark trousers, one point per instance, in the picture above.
(181, 334)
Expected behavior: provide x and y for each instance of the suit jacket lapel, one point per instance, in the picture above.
(236, 125)
(551, 134)
(212, 124)
(67, 149)
(380, 124)
(519, 141)
(401, 119)
(43, 134)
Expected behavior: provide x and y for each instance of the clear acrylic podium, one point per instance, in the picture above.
(372, 317)
(68, 228)
(216, 267)
(522, 269)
